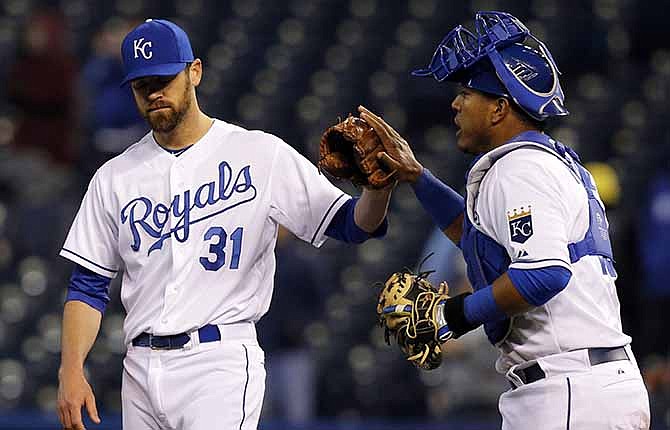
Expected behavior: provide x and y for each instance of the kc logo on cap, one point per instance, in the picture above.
(140, 46)
(156, 47)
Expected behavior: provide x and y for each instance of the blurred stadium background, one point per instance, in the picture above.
(291, 68)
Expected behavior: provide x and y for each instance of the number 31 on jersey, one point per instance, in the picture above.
(217, 252)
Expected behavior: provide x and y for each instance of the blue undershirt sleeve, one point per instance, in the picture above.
(480, 307)
(88, 287)
(438, 199)
(538, 286)
(343, 226)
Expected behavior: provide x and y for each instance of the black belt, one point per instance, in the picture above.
(208, 333)
(597, 356)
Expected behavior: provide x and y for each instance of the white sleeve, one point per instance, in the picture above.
(303, 200)
(93, 238)
(524, 209)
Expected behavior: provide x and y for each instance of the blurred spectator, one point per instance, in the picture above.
(654, 295)
(657, 378)
(41, 88)
(290, 391)
(110, 119)
(655, 259)
(37, 168)
(446, 262)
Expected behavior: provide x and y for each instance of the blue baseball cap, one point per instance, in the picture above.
(156, 47)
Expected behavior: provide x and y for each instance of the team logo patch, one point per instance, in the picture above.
(520, 224)
(140, 47)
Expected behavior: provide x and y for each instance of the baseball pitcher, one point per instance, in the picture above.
(189, 215)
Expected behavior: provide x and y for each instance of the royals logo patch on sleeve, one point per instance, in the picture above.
(520, 224)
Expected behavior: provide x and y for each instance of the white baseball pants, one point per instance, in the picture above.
(578, 396)
(203, 386)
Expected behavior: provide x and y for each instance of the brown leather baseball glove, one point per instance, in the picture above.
(349, 149)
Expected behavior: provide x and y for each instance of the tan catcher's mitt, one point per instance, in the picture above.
(412, 310)
(349, 149)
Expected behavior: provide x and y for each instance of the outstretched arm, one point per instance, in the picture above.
(371, 208)
(398, 155)
(361, 218)
(443, 204)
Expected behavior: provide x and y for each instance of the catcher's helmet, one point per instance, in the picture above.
(496, 61)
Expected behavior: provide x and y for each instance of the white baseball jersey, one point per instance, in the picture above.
(511, 183)
(195, 234)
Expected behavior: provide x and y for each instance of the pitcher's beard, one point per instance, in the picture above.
(166, 120)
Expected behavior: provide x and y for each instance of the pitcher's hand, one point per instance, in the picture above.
(74, 392)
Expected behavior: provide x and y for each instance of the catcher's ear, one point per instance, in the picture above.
(443, 288)
(500, 109)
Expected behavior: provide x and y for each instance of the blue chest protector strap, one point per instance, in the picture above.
(597, 240)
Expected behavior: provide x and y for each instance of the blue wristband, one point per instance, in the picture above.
(480, 307)
(442, 203)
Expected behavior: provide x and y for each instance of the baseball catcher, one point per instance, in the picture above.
(349, 150)
(416, 313)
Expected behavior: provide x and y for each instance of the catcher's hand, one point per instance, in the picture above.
(412, 310)
(398, 156)
(349, 150)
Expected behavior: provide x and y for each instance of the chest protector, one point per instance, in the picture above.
(487, 260)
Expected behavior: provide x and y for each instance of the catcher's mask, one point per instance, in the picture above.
(496, 61)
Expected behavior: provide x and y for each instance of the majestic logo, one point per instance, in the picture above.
(227, 192)
(520, 224)
(141, 47)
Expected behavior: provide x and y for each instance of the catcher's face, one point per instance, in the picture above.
(472, 109)
(164, 101)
